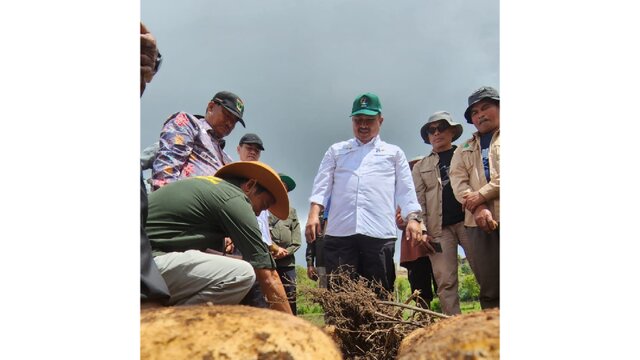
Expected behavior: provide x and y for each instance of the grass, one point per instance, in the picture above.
(469, 307)
(316, 319)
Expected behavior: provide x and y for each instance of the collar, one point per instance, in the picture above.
(453, 147)
(211, 131)
(374, 142)
(477, 135)
(470, 144)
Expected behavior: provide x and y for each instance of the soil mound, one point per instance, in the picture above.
(469, 336)
(230, 332)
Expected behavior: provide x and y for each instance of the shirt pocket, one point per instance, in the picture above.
(430, 177)
(344, 158)
(384, 159)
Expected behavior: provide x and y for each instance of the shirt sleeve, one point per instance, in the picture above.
(491, 190)
(175, 146)
(405, 192)
(295, 233)
(421, 190)
(323, 182)
(459, 176)
(242, 225)
(148, 155)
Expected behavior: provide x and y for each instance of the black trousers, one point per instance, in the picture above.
(288, 278)
(367, 256)
(420, 276)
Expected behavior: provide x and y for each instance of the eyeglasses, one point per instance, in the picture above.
(440, 127)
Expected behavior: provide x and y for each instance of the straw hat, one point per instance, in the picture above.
(266, 177)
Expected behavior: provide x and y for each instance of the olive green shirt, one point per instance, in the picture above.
(286, 234)
(198, 213)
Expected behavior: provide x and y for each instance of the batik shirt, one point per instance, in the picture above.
(187, 148)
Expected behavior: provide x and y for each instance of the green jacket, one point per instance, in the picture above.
(198, 212)
(286, 234)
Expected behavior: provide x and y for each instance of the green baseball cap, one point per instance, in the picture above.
(366, 104)
(287, 181)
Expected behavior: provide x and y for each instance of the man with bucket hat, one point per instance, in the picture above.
(365, 178)
(443, 214)
(190, 216)
(475, 178)
(192, 145)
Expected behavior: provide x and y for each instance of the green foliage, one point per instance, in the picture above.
(302, 279)
(403, 288)
(472, 306)
(468, 288)
(305, 306)
(464, 268)
(435, 305)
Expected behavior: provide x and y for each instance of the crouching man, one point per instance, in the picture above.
(189, 216)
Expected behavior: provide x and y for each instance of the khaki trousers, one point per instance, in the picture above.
(195, 277)
(485, 263)
(445, 266)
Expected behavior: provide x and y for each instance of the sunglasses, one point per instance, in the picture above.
(441, 127)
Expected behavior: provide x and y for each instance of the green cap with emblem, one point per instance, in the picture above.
(287, 181)
(231, 102)
(366, 104)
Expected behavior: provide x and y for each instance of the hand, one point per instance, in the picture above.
(312, 228)
(413, 231)
(228, 245)
(399, 220)
(472, 200)
(148, 56)
(312, 273)
(278, 253)
(424, 241)
(484, 219)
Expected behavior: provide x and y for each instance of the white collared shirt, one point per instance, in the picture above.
(365, 183)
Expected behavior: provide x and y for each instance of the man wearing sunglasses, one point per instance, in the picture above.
(475, 178)
(192, 145)
(443, 214)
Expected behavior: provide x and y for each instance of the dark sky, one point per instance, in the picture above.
(298, 66)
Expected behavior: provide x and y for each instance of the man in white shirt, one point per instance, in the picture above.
(366, 178)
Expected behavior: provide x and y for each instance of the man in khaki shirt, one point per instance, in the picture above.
(475, 178)
(443, 214)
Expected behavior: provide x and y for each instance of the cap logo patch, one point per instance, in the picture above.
(364, 102)
(239, 105)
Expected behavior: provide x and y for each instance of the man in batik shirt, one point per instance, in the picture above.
(192, 145)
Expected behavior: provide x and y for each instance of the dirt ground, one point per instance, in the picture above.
(469, 336)
(230, 332)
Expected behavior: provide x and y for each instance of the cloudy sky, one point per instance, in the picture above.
(298, 66)
(568, 78)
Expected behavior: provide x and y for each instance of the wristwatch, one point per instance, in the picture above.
(414, 216)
